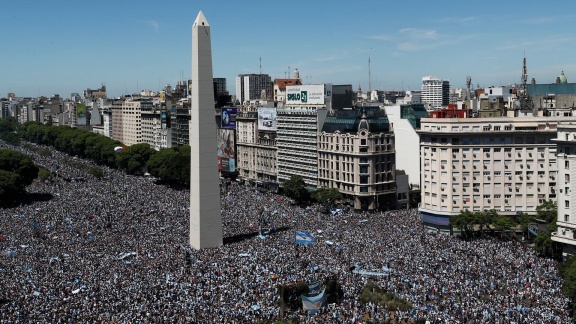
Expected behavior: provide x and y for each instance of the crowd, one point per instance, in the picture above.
(116, 249)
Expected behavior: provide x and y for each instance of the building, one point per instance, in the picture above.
(155, 123)
(256, 147)
(298, 123)
(435, 93)
(356, 156)
(555, 99)
(253, 87)
(281, 84)
(132, 120)
(180, 116)
(566, 161)
(405, 119)
(506, 164)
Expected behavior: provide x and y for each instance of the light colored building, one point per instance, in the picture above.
(132, 120)
(506, 164)
(356, 156)
(256, 150)
(566, 161)
(156, 129)
(252, 86)
(435, 92)
(298, 123)
(117, 121)
(406, 121)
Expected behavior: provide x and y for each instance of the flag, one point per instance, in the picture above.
(314, 287)
(305, 238)
(314, 303)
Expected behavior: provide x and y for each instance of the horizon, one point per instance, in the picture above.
(67, 47)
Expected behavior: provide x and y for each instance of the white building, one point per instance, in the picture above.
(435, 92)
(406, 121)
(506, 164)
(252, 86)
(566, 157)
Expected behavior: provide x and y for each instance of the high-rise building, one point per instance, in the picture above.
(502, 163)
(205, 213)
(435, 93)
(253, 87)
(298, 123)
(566, 185)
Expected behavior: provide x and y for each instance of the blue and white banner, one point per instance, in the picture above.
(305, 238)
(314, 303)
(314, 287)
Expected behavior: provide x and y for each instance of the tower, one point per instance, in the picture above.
(205, 214)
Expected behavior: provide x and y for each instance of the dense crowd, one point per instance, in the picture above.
(116, 249)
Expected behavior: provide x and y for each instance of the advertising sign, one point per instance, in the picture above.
(228, 117)
(80, 110)
(312, 94)
(226, 150)
(267, 118)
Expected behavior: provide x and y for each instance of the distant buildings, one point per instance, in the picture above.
(253, 87)
(435, 92)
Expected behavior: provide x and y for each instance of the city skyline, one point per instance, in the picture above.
(129, 46)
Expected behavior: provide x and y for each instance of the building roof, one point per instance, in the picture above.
(348, 120)
(282, 83)
(551, 88)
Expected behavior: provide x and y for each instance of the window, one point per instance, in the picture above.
(566, 217)
(567, 203)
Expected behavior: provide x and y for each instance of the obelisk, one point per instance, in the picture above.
(205, 214)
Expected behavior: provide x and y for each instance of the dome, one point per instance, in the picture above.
(562, 78)
(296, 74)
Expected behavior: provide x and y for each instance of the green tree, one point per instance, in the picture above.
(502, 224)
(10, 187)
(547, 211)
(171, 165)
(11, 138)
(133, 159)
(567, 270)
(415, 198)
(8, 125)
(464, 221)
(20, 164)
(327, 196)
(295, 188)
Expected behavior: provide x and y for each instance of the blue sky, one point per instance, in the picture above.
(65, 46)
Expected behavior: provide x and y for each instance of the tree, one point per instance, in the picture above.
(567, 271)
(415, 198)
(547, 211)
(10, 187)
(464, 221)
(16, 172)
(502, 224)
(327, 196)
(11, 138)
(133, 159)
(295, 188)
(171, 165)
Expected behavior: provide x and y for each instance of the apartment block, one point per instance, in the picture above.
(506, 164)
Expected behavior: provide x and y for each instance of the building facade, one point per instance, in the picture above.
(435, 92)
(252, 86)
(566, 161)
(506, 164)
(356, 156)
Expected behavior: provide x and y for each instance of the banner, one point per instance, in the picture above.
(314, 303)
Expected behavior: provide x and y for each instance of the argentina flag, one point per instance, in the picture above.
(305, 238)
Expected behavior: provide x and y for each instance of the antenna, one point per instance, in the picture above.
(260, 64)
(369, 76)
(288, 70)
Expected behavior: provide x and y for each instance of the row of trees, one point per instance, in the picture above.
(170, 165)
(295, 188)
(471, 223)
(16, 172)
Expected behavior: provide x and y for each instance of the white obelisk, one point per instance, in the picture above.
(205, 214)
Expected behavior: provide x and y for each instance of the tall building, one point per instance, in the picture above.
(205, 213)
(566, 161)
(435, 92)
(132, 120)
(253, 87)
(356, 156)
(281, 84)
(501, 163)
(298, 123)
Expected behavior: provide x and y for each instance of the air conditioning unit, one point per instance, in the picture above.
(488, 177)
(454, 201)
(474, 178)
(474, 167)
(506, 200)
(454, 155)
(488, 154)
(443, 166)
(474, 200)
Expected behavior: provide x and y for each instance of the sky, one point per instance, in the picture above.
(66, 46)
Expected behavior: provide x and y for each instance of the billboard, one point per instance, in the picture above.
(228, 117)
(267, 118)
(226, 150)
(312, 94)
(80, 110)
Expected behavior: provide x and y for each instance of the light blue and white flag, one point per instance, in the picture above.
(314, 287)
(314, 303)
(305, 238)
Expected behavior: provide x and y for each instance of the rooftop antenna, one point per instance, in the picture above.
(288, 70)
(260, 64)
(369, 76)
(468, 84)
